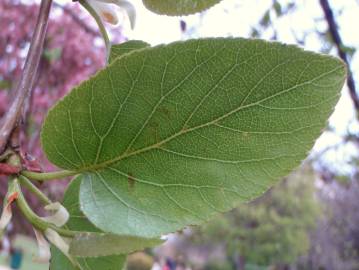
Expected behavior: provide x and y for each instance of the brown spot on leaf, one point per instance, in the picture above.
(166, 112)
(131, 182)
(153, 130)
(185, 128)
(153, 124)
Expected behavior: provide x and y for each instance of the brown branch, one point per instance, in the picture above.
(27, 80)
(333, 29)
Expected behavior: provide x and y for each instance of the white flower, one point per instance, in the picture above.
(61, 243)
(5, 218)
(108, 14)
(60, 215)
(44, 254)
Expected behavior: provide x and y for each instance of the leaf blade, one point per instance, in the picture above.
(104, 244)
(119, 50)
(203, 125)
(60, 262)
(79, 222)
(179, 7)
(92, 242)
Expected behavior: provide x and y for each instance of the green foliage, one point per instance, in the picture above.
(266, 19)
(179, 7)
(168, 136)
(274, 229)
(60, 262)
(94, 243)
(127, 47)
(104, 244)
(52, 54)
(219, 266)
(277, 8)
(4, 85)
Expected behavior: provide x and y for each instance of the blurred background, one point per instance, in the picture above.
(310, 220)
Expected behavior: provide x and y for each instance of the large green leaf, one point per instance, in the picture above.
(104, 244)
(78, 221)
(91, 242)
(126, 47)
(168, 136)
(60, 262)
(179, 7)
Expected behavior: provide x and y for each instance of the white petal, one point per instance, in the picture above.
(59, 242)
(44, 248)
(60, 216)
(104, 11)
(5, 218)
(127, 6)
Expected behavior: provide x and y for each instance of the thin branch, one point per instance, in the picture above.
(34, 219)
(333, 29)
(27, 80)
(77, 19)
(42, 177)
(34, 190)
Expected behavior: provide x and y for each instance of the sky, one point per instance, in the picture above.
(236, 18)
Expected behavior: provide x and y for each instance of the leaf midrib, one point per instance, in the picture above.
(184, 131)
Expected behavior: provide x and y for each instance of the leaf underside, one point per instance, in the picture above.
(168, 136)
(127, 47)
(60, 262)
(92, 242)
(179, 7)
(103, 248)
(78, 221)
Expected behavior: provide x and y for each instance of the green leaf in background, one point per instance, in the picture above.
(179, 7)
(60, 262)
(79, 222)
(93, 242)
(5, 85)
(103, 244)
(277, 8)
(168, 136)
(53, 54)
(127, 47)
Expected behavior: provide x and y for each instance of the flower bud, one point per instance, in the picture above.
(60, 216)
